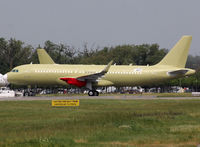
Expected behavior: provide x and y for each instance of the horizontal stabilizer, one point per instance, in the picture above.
(178, 72)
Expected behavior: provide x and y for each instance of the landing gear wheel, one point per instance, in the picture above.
(91, 93)
(96, 93)
(26, 94)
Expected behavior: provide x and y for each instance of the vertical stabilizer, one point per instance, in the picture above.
(44, 57)
(177, 56)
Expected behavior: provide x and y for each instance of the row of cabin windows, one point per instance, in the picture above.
(87, 72)
(62, 71)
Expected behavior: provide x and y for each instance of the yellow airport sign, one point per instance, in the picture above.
(65, 103)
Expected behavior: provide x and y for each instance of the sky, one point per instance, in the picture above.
(101, 22)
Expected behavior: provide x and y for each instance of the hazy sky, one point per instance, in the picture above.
(101, 22)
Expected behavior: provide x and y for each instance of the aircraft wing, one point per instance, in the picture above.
(82, 80)
(94, 77)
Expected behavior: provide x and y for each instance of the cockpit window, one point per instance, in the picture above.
(15, 70)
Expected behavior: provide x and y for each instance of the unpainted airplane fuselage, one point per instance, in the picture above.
(118, 75)
(91, 76)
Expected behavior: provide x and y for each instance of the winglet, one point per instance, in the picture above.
(107, 67)
(44, 57)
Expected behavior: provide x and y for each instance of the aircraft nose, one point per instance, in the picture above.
(4, 80)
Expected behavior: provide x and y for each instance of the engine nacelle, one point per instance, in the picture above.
(74, 81)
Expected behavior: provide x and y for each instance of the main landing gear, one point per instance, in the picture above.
(92, 90)
(93, 93)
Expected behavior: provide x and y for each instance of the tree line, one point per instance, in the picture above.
(15, 52)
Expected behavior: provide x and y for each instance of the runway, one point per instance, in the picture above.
(117, 97)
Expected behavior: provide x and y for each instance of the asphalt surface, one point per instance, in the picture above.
(121, 97)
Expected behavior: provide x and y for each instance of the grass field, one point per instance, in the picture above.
(101, 123)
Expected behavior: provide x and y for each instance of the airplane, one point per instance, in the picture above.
(92, 76)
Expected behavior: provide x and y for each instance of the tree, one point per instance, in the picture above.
(3, 65)
(14, 53)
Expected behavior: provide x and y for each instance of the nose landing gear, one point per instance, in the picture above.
(93, 93)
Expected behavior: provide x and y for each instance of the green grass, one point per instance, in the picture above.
(174, 94)
(101, 123)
